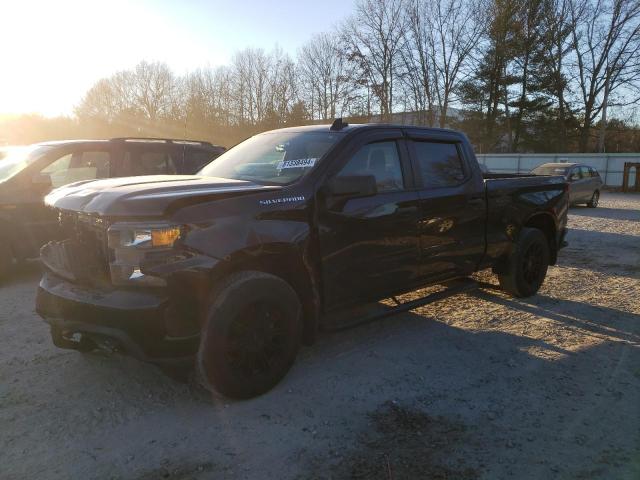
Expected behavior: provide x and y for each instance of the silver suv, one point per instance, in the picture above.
(584, 181)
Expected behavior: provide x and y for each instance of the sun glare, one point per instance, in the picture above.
(57, 50)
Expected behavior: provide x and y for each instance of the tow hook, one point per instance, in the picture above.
(72, 340)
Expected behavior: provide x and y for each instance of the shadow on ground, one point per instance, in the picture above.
(482, 405)
(407, 395)
(607, 213)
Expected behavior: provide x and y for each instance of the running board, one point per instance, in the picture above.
(345, 319)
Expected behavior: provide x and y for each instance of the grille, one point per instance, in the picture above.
(86, 247)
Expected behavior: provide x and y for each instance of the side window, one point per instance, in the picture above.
(78, 166)
(574, 174)
(439, 164)
(195, 159)
(584, 172)
(380, 160)
(61, 164)
(148, 162)
(593, 172)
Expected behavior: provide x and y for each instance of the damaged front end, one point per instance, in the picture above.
(122, 286)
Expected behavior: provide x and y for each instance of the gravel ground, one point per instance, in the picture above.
(477, 386)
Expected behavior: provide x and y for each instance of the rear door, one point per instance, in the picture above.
(452, 208)
(590, 182)
(595, 178)
(582, 184)
(369, 245)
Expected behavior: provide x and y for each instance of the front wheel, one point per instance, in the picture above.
(527, 264)
(595, 198)
(251, 335)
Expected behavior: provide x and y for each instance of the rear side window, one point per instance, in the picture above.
(593, 172)
(584, 172)
(196, 159)
(149, 162)
(439, 164)
(574, 174)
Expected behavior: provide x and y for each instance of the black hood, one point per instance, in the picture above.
(144, 196)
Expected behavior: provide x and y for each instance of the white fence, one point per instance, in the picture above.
(610, 165)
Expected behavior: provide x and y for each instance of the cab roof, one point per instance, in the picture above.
(559, 164)
(326, 128)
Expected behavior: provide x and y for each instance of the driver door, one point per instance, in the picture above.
(369, 244)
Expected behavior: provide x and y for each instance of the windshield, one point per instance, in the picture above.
(273, 158)
(18, 158)
(550, 170)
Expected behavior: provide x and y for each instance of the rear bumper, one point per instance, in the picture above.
(134, 320)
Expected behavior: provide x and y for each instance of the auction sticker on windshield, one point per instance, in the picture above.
(297, 163)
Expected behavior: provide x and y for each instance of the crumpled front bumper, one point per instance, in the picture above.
(134, 320)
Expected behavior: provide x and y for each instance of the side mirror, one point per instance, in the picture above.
(42, 180)
(353, 186)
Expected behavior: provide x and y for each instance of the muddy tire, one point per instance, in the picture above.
(251, 335)
(527, 265)
(595, 198)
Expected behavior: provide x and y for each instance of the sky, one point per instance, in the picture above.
(52, 51)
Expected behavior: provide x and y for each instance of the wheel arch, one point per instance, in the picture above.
(287, 262)
(546, 223)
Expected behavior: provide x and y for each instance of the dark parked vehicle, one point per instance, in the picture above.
(282, 235)
(584, 181)
(27, 174)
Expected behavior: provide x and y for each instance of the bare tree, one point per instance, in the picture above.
(326, 76)
(606, 42)
(456, 29)
(374, 37)
(251, 83)
(283, 87)
(418, 62)
(519, 70)
(109, 98)
(155, 90)
(207, 97)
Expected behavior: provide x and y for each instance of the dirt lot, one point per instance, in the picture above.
(478, 386)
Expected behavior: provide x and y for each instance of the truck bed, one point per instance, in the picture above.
(513, 197)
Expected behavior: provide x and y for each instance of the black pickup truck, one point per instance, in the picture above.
(237, 266)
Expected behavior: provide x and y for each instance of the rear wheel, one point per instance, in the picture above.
(527, 265)
(595, 198)
(251, 336)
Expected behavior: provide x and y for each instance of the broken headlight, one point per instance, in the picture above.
(130, 244)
